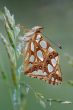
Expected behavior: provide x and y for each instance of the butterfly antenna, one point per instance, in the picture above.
(57, 44)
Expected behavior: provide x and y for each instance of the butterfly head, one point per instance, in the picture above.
(37, 28)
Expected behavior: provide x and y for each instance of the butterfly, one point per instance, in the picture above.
(40, 59)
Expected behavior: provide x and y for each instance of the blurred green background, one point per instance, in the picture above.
(56, 16)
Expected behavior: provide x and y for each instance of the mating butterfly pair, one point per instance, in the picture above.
(40, 59)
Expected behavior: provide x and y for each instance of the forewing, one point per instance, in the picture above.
(41, 60)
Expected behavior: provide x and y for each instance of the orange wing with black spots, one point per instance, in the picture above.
(40, 59)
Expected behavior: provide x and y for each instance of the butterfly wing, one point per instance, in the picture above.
(41, 60)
